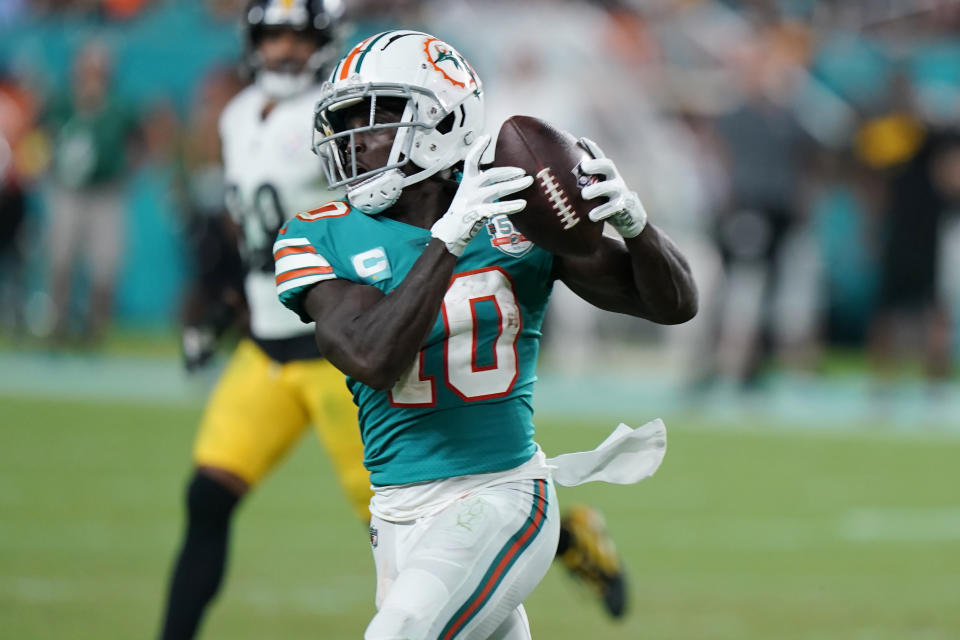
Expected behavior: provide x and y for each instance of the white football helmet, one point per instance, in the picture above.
(442, 115)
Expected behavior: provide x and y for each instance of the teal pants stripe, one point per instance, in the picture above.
(504, 560)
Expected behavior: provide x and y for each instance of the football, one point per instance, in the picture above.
(556, 216)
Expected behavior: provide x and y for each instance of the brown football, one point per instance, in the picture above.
(556, 216)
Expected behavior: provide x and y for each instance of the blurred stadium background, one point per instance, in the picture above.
(805, 154)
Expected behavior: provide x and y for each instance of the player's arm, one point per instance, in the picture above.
(372, 336)
(215, 300)
(644, 274)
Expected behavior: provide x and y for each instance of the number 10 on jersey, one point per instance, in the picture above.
(464, 325)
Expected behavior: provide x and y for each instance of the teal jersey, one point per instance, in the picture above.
(465, 404)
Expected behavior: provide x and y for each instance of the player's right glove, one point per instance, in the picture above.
(476, 199)
(623, 209)
(198, 344)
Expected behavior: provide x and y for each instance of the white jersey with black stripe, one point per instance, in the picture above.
(271, 174)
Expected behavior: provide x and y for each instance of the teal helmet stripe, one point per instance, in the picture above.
(367, 49)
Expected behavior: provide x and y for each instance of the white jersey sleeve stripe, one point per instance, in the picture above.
(290, 242)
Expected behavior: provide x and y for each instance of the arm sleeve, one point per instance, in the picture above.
(299, 266)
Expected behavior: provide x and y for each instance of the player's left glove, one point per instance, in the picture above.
(623, 209)
(478, 198)
(198, 344)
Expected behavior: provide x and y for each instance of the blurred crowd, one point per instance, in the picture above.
(805, 155)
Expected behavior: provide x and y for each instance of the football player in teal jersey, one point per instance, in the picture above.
(436, 324)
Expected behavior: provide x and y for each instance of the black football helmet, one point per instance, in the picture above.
(322, 19)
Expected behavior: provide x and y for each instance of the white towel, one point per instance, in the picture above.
(625, 457)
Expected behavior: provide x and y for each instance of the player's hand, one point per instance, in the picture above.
(198, 344)
(476, 199)
(623, 209)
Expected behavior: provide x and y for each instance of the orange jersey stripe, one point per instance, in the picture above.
(288, 251)
(306, 271)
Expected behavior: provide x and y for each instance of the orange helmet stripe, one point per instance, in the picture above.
(345, 69)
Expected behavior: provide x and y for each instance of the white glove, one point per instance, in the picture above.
(623, 209)
(475, 200)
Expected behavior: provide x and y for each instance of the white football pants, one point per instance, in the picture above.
(464, 572)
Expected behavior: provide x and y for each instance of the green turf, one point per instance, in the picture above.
(743, 534)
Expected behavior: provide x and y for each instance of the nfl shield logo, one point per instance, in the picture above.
(374, 536)
(583, 179)
(505, 237)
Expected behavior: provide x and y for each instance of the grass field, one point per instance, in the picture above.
(743, 534)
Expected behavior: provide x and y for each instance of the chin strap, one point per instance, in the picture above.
(376, 194)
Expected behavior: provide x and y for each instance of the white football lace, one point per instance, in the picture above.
(558, 198)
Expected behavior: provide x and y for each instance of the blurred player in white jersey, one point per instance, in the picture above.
(275, 385)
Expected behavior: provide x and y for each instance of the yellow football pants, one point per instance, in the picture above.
(260, 408)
